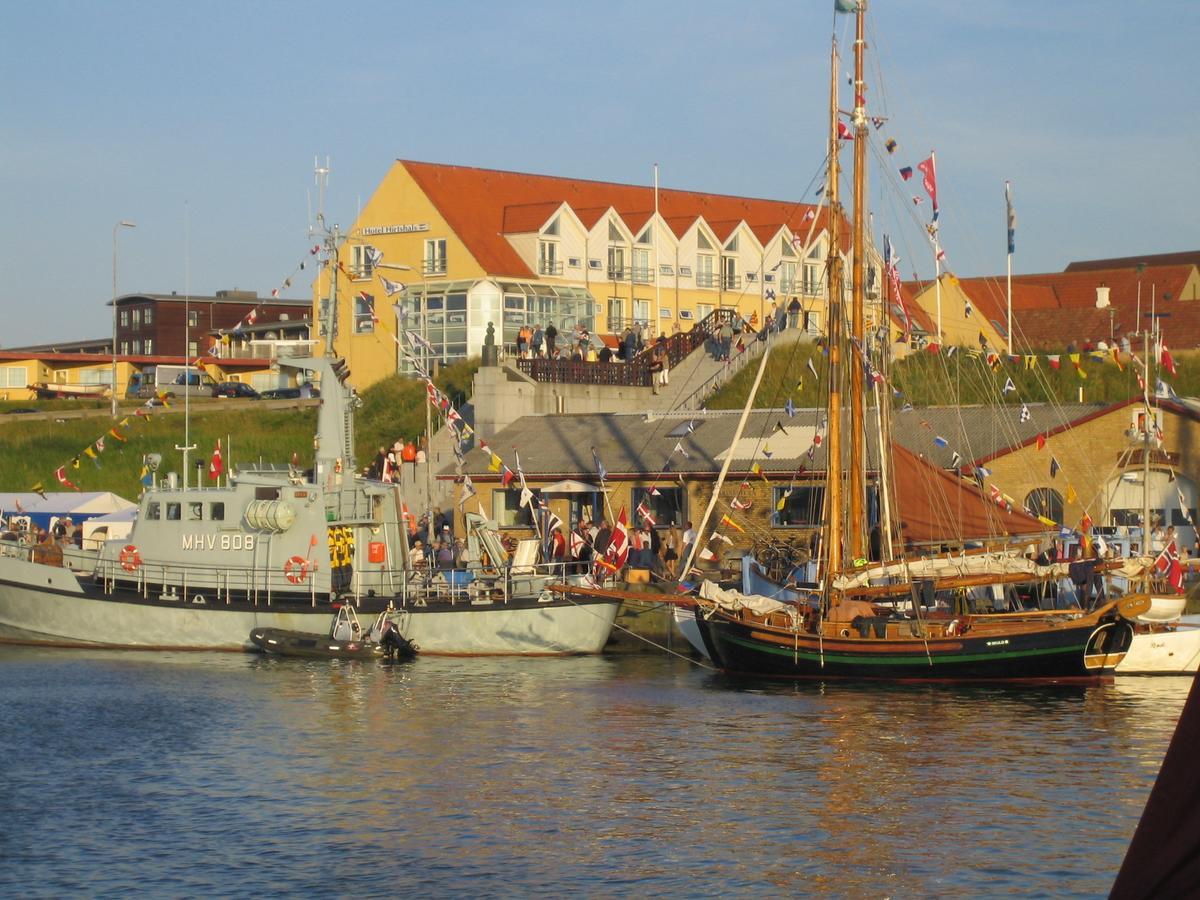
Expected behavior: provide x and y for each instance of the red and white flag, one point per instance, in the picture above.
(61, 474)
(1165, 360)
(617, 553)
(1168, 564)
(929, 169)
(215, 465)
(643, 510)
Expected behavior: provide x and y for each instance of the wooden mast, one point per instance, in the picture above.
(856, 543)
(833, 444)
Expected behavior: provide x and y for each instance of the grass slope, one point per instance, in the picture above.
(31, 451)
(927, 379)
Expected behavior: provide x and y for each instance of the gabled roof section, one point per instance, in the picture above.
(528, 217)
(1153, 260)
(474, 203)
(1078, 289)
(916, 313)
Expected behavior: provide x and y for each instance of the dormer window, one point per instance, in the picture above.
(786, 248)
(703, 242)
(552, 228)
(732, 244)
(646, 237)
(614, 233)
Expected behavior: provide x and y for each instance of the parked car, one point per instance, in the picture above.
(235, 389)
(291, 393)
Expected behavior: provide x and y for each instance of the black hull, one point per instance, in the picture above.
(1066, 652)
(302, 644)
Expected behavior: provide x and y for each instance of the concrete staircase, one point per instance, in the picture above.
(699, 375)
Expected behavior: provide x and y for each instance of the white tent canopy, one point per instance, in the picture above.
(113, 526)
(80, 506)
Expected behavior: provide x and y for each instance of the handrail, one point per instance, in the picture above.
(195, 584)
(636, 373)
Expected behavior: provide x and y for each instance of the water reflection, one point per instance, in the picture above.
(632, 774)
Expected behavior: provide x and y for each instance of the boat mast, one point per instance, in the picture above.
(833, 448)
(857, 487)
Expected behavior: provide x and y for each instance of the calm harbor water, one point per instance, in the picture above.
(199, 774)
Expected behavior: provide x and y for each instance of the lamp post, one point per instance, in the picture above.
(113, 386)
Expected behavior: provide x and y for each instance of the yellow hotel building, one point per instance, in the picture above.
(453, 248)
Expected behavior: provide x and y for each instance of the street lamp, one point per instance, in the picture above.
(113, 386)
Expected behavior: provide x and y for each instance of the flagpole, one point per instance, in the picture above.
(657, 279)
(737, 436)
(937, 283)
(1011, 227)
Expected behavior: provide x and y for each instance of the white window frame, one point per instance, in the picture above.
(11, 379)
(548, 263)
(641, 273)
(362, 264)
(435, 256)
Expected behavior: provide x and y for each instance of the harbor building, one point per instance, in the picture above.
(968, 471)
(149, 324)
(445, 250)
(1090, 302)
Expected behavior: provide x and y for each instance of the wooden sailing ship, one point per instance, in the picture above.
(904, 617)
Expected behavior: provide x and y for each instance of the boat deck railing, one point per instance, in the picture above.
(201, 584)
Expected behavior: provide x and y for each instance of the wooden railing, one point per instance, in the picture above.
(635, 373)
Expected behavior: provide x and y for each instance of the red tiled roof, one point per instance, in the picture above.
(988, 296)
(1184, 257)
(1055, 308)
(916, 313)
(1078, 289)
(135, 360)
(527, 217)
(474, 203)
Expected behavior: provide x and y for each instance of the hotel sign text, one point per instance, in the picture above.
(396, 229)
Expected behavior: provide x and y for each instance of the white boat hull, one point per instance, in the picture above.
(685, 621)
(42, 604)
(504, 631)
(1174, 652)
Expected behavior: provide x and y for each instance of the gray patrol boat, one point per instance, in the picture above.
(280, 547)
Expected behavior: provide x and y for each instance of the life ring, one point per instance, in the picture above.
(296, 569)
(131, 559)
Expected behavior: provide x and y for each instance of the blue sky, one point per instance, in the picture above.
(200, 123)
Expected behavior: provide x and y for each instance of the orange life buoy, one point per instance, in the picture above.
(296, 569)
(131, 559)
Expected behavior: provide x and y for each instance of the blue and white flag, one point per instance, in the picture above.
(1012, 218)
(392, 287)
(601, 472)
(940, 441)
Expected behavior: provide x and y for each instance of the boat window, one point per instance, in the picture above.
(153, 510)
(195, 512)
(173, 512)
(266, 493)
(216, 512)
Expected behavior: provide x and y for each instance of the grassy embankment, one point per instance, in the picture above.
(926, 379)
(31, 449)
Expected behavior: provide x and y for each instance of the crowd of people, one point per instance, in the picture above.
(661, 551)
(387, 462)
